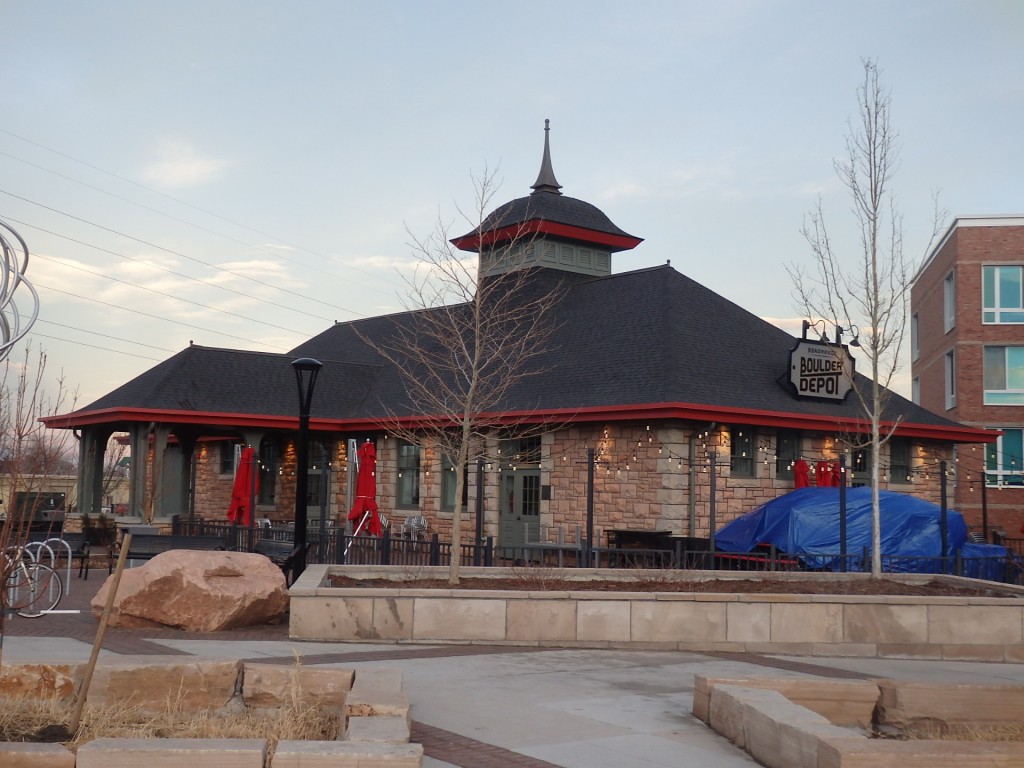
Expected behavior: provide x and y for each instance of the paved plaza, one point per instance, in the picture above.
(503, 707)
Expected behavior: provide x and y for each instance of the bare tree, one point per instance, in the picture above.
(470, 337)
(870, 293)
(31, 454)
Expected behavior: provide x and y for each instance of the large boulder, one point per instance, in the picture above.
(197, 591)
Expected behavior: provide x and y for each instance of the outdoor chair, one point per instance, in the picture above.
(414, 527)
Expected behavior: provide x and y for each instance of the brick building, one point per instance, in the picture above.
(967, 340)
(664, 382)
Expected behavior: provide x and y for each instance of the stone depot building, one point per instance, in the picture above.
(666, 382)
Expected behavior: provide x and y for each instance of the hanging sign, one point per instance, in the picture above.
(820, 370)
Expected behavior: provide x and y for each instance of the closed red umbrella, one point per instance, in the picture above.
(365, 507)
(801, 474)
(245, 486)
(823, 474)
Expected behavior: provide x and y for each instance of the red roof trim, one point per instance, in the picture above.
(473, 241)
(683, 411)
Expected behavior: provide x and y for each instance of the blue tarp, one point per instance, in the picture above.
(805, 523)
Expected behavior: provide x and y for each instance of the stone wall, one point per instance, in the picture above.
(955, 628)
(647, 476)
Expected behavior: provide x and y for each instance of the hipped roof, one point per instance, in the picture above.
(643, 345)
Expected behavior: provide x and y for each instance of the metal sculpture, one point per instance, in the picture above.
(14, 324)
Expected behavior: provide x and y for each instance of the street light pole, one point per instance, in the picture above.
(306, 371)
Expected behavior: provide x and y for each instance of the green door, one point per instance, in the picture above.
(519, 519)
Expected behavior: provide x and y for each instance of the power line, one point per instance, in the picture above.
(169, 271)
(94, 346)
(157, 317)
(106, 336)
(167, 197)
(167, 295)
(148, 244)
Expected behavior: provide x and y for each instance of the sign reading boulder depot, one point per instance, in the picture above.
(821, 370)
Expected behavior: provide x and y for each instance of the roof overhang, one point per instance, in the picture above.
(613, 242)
(555, 417)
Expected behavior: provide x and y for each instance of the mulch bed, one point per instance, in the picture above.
(866, 586)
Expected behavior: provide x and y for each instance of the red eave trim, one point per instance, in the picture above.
(555, 417)
(719, 414)
(540, 226)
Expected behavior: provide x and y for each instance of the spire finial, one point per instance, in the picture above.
(546, 181)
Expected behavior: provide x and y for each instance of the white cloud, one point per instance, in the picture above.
(179, 164)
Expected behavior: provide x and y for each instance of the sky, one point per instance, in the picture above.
(244, 174)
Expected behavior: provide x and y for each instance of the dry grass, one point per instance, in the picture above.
(32, 719)
(964, 732)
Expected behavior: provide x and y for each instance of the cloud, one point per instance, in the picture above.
(179, 164)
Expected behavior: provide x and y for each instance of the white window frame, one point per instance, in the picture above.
(1000, 476)
(915, 346)
(950, 366)
(996, 310)
(949, 302)
(1004, 395)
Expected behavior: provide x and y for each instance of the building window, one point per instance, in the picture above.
(1002, 294)
(741, 452)
(270, 465)
(951, 379)
(407, 490)
(787, 451)
(860, 467)
(915, 344)
(517, 452)
(949, 302)
(899, 460)
(1003, 459)
(227, 458)
(1004, 376)
(915, 390)
(448, 478)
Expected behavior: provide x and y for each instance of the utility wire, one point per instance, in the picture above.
(158, 317)
(148, 244)
(107, 336)
(180, 202)
(150, 264)
(94, 346)
(166, 295)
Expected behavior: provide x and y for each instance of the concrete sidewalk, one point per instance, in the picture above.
(503, 707)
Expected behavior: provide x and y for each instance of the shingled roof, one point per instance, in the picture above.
(645, 344)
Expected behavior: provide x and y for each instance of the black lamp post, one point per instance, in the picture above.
(306, 371)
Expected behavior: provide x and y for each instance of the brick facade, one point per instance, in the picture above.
(969, 245)
(647, 476)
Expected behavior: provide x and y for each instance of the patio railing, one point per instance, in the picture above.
(338, 547)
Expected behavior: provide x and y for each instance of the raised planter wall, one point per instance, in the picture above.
(975, 628)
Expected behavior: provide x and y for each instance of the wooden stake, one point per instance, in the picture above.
(83, 688)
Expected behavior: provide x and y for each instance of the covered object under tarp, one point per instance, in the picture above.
(805, 524)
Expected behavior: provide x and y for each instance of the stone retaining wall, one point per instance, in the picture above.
(975, 628)
(372, 703)
(782, 725)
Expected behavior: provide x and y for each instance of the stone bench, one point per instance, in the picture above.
(26, 755)
(196, 753)
(346, 754)
(779, 733)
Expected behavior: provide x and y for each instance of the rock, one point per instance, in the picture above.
(276, 685)
(197, 591)
(38, 680)
(155, 683)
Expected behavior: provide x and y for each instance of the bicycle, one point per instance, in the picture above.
(32, 589)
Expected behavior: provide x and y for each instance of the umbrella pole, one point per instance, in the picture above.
(362, 524)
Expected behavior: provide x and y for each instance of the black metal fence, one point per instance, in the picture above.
(335, 546)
